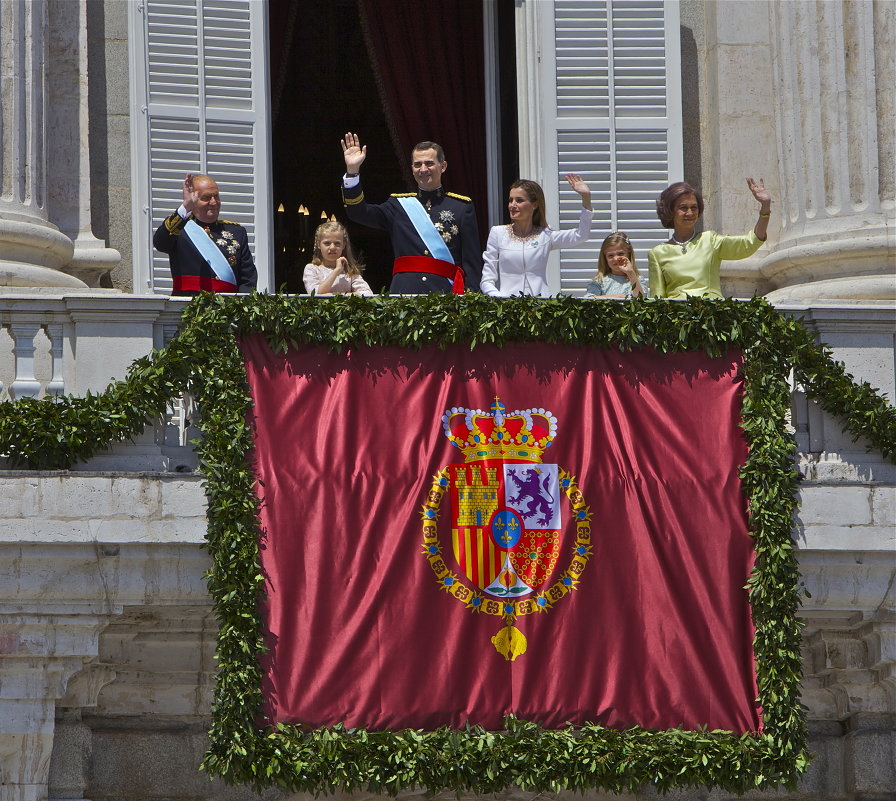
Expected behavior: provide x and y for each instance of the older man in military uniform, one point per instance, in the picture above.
(205, 253)
(435, 236)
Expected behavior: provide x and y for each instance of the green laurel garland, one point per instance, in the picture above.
(56, 433)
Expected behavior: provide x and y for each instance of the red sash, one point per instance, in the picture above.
(196, 283)
(427, 264)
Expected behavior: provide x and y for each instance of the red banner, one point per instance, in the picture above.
(451, 536)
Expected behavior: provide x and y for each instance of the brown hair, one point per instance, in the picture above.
(665, 203)
(536, 195)
(440, 154)
(354, 266)
(616, 238)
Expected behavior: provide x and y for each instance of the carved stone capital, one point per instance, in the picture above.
(38, 656)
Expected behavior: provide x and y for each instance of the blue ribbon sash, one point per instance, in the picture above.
(424, 226)
(210, 252)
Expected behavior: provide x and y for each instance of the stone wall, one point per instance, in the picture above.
(118, 557)
(801, 94)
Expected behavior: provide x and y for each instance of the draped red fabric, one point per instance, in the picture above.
(363, 631)
(429, 61)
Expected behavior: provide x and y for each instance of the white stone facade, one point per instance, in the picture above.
(45, 221)
(802, 94)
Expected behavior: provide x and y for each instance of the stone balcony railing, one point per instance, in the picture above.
(72, 344)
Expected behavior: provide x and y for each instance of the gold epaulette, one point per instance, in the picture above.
(460, 197)
(404, 194)
(228, 222)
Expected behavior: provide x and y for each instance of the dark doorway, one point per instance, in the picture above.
(508, 146)
(323, 84)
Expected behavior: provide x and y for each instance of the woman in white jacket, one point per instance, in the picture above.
(516, 256)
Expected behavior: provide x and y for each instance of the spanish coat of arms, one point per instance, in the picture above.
(509, 511)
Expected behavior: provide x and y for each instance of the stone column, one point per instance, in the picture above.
(38, 656)
(68, 151)
(32, 250)
(737, 130)
(834, 107)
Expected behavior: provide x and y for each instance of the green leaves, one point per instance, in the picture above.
(524, 755)
(204, 357)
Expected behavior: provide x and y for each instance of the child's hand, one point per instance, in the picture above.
(624, 265)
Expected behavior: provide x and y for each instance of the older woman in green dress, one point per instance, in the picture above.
(689, 262)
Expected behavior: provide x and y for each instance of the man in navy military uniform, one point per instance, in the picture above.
(435, 236)
(205, 253)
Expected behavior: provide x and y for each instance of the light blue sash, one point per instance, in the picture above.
(424, 226)
(210, 252)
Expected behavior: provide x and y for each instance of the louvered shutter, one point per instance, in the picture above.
(200, 78)
(618, 120)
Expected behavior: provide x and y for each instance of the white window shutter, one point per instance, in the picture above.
(616, 119)
(199, 77)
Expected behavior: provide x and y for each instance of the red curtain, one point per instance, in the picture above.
(429, 64)
(364, 629)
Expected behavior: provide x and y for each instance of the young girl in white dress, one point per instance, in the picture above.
(516, 256)
(333, 269)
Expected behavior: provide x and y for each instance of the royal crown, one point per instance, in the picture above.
(523, 434)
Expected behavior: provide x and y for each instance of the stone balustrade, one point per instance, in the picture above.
(78, 343)
(72, 344)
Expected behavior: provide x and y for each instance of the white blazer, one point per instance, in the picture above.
(519, 267)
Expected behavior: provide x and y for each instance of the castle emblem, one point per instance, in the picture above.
(510, 516)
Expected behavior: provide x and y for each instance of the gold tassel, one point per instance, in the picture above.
(510, 642)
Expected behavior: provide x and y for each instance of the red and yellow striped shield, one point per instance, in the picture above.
(505, 524)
